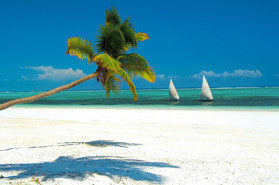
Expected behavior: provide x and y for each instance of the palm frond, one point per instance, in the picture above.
(135, 65)
(141, 36)
(108, 62)
(148, 75)
(138, 37)
(112, 16)
(112, 84)
(110, 40)
(130, 83)
(129, 33)
(80, 48)
(133, 58)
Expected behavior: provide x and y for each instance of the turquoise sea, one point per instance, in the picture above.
(224, 98)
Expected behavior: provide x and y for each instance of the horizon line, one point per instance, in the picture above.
(187, 88)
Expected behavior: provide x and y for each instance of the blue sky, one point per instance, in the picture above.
(234, 43)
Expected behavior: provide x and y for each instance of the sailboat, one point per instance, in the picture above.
(172, 91)
(205, 90)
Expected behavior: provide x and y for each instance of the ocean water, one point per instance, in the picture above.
(266, 98)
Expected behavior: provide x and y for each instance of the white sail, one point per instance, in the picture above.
(172, 91)
(205, 90)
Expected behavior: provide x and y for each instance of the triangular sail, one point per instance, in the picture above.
(205, 91)
(172, 91)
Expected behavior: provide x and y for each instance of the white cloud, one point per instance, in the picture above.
(164, 77)
(174, 77)
(206, 73)
(235, 73)
(161, 76)
(50, 73)
(245, 73)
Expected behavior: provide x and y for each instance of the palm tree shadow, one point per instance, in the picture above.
(97, 143)
(101, 143)
(80, 168)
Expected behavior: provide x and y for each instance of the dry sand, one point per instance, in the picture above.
(136, 146)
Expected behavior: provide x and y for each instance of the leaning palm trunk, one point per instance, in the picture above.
(48, 93)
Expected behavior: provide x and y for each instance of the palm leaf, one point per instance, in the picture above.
(80, 48)
(108, 62)
(130, 83)
(138, 37)
(133, 59)
(129, 33)
(141, 36)
(148, 75)
(135, 65)
(110, 40)
(112, 16)
(112, 84)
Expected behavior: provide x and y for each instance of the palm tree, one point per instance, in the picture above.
(112, 60)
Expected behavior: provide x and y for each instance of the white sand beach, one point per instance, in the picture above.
(138, 146)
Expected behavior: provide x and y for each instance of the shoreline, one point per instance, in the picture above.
(132, 146)
(154, 107)
(241, 118)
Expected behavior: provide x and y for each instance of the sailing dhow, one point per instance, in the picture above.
(172, 91)
(205, 90)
